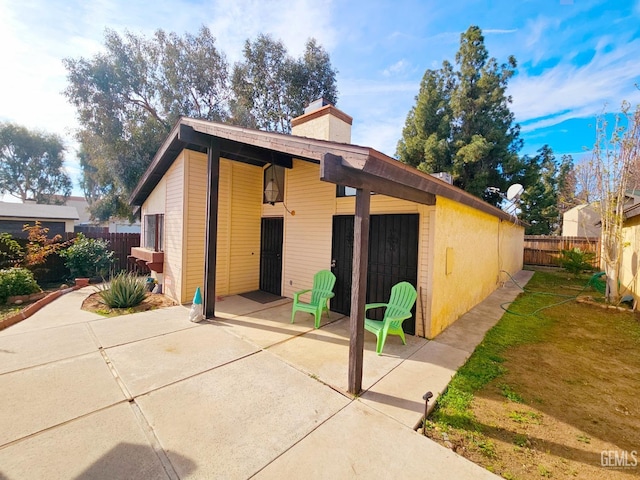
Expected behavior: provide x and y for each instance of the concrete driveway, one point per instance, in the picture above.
(151, 395)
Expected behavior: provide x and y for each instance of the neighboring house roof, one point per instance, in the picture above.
(631, 212)
(340, 163)
(37, 212)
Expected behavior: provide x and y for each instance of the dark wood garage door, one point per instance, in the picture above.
(393, 258)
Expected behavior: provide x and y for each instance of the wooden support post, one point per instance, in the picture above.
(211, 240)
(359, 288)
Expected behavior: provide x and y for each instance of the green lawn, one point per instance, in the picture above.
(550, 384)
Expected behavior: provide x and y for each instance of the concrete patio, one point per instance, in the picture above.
(151, 395)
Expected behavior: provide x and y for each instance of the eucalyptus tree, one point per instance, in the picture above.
(128, 97)
(270, 87)
(31, 165)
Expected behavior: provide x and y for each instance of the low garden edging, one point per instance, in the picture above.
(33, 308)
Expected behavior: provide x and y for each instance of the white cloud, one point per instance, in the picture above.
(234, 21)
(397, 68)
(36, 35)
(569, 91)
(498, 31)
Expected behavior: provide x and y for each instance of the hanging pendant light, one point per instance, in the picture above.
(271, 192)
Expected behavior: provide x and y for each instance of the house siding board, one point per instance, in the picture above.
(478, 251)
(194, 223)
(244, 225)
(380, 204)
(224, 228)
(629, 276)
(307, 234)
(173, 228)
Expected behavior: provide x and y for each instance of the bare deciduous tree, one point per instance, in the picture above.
(615, 154)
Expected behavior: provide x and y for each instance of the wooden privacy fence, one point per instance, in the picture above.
(545, 250)
(120, 244)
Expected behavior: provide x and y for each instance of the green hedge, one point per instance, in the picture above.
(16, 281)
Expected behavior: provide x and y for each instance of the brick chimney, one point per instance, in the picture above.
(323, 121)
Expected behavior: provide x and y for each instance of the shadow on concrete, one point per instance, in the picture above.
(128, 460)
(378, 397)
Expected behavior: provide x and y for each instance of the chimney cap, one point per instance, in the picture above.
(316, 105)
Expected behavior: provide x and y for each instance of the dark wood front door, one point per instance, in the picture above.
(271, 255)
(393, 258)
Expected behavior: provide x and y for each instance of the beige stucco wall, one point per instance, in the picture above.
(580, 221)
(629, 275)
(325, 127)
(470, 248)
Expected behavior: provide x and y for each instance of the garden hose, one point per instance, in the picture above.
(568, 298)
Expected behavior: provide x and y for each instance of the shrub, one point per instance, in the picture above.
(88, 257)
(576, 261)
(16, 281)
(11, 252)
(125, 290)
(40, 246)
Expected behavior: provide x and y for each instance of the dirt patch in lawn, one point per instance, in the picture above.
(565, 406)
(94, 303)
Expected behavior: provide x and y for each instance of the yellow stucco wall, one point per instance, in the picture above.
(629, 275)
(470, 248)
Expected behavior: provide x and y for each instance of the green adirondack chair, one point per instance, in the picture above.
(403, 296)
(322, 291)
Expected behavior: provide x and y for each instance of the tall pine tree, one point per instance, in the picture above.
(462, 123)
(545, 200)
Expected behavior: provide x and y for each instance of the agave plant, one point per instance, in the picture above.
(125, 290)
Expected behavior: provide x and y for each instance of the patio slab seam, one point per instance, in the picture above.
(66, 422)
(30, 367)
(155, 389)
(100, 346)
(310, 432)
(154, 441)
(230, 328)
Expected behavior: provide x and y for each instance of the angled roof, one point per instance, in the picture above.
(632, 211)
(38, 212)
(341, 163)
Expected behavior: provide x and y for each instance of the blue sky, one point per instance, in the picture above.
(576, 58)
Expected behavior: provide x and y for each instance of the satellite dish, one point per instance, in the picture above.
(514, 192)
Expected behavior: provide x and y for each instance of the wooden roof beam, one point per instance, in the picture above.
(333, 170)
(235, 150)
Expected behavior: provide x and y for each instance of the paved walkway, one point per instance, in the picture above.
(249, 395)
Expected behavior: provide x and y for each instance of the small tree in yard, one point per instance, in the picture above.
(40, 246)
(614, 155)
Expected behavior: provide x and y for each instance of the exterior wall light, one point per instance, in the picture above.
(271, 192)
